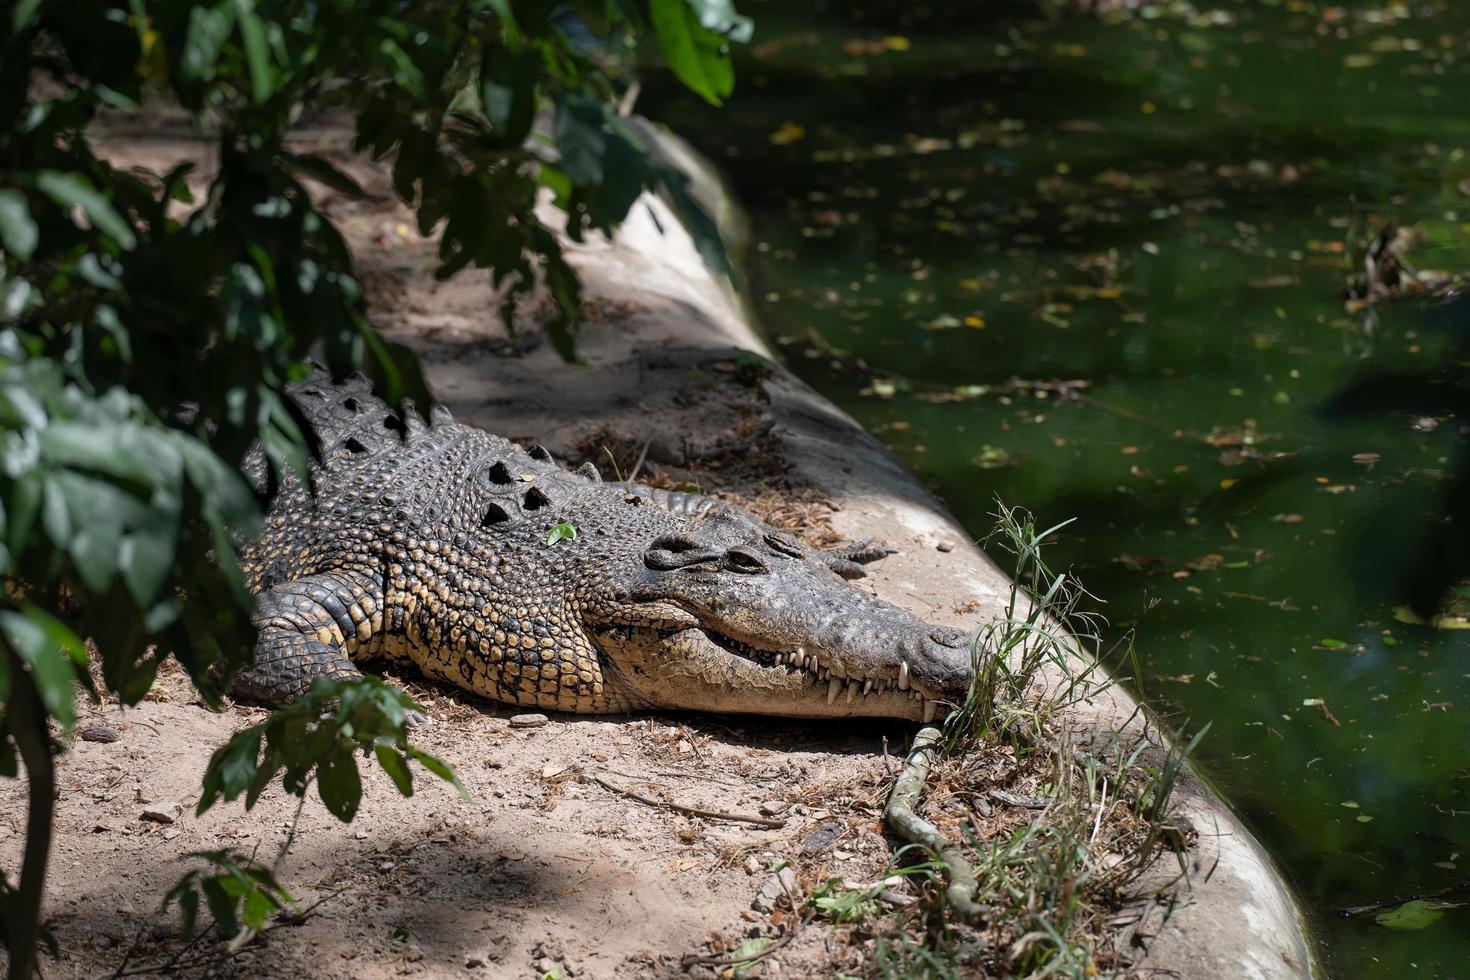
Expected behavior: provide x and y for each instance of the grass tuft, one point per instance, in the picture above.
(1063, 838)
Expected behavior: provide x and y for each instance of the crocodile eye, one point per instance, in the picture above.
(668, 553)
(740, 560)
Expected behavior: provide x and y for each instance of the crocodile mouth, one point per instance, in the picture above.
(822, 672)
(661, 662)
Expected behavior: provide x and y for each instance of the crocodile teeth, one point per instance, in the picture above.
(832, 689)
(867, 686)
(903, 676)
(851, 689)
(931, 708)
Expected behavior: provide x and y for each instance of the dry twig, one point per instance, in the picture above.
(900, 815)
(681, 808)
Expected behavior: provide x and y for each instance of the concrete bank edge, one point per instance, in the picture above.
(1237, 917)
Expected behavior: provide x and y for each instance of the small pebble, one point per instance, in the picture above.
(101, 733)
(774, 889)
(162, 812)
(527, 721)
(945, 546)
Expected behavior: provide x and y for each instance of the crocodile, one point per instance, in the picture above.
(435, 544)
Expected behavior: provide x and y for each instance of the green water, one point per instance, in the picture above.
(955, 212)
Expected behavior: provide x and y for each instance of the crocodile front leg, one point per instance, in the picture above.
(309, 628)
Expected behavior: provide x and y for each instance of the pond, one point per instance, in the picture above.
(1095, 265)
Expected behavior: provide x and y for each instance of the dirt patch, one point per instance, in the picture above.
(543, 868)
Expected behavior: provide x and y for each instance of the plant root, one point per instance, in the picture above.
(899, 814)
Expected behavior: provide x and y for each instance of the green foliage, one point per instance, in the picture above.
(241, 895)
(840, 904)
(694, 36)
(1043, 628)
(318, 736)
(564, 531)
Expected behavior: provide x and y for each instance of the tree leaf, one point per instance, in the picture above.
(561, 532)
(209, 28)
(257, 53)
(438, 767)
(17, 230)
(395, 764)
(339, 784)
(323, 172)
(52, 651)
(1418, 914)
(508, 94)
(74, 190)
(221, 905)
(695, 53)
(580, 137)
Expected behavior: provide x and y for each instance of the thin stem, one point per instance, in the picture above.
(26, 719)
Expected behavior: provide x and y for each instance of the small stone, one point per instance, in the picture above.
(100, 733)
(527, 721)
(752, 865)
(822, 838)
(474, 961)
(776, 887)
(945, 546)
(166, 812)
(170, 833)
(772, 808)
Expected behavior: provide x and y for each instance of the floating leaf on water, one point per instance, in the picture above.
(1406, 615)
(1350, 804)
(789, 133)
(994, 457)
(1414, 915)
